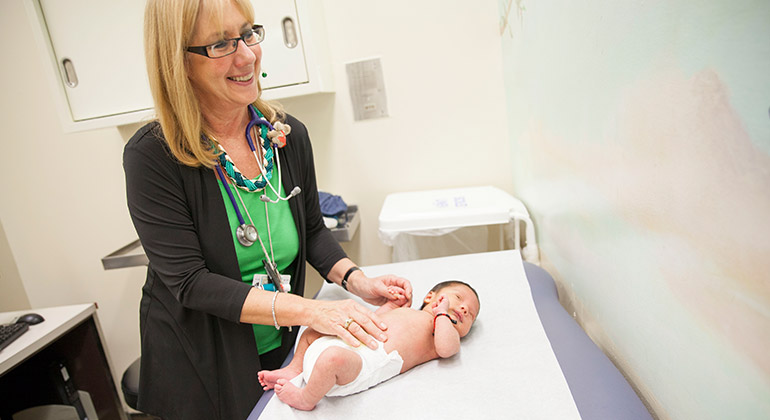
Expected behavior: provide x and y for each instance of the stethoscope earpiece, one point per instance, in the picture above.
(294, 192)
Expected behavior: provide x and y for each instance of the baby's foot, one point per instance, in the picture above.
(293, 396)
(268, 378)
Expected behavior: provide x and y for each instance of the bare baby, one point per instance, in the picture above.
(331, 367)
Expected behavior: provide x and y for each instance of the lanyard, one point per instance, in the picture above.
(247, 235)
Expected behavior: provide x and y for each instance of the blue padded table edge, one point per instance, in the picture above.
(600, 391)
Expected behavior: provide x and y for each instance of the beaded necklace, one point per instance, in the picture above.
(266, 164)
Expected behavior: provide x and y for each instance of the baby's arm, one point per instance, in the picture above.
(445, 336)
(397, 300)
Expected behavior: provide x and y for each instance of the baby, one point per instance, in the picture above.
(331, 367)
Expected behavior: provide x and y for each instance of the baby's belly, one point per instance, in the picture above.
(410, 335)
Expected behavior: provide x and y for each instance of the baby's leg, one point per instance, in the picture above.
(268, 378)
(335, 366)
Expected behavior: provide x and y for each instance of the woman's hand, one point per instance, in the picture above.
(348, 320)
(380, 290)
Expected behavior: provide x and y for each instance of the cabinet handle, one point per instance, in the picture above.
(290, 38)
(70, 76)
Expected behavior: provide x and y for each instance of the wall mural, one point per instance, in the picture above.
(641, 143)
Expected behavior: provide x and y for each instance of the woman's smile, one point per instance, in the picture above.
(245, 78)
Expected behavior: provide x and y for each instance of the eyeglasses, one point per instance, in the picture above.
(253, 36)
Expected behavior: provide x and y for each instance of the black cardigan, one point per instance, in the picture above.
(198, 360)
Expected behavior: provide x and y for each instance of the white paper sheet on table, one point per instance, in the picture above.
(505, 369)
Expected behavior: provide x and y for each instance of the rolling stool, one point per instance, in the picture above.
(130, 383)
(130, 386)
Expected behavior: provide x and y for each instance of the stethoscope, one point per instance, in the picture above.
(246, 233)
(255, 119)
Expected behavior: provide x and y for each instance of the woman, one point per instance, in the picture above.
(212, 212)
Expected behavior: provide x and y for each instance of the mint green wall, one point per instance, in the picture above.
(640, 133)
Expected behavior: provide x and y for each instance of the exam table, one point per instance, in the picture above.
(580, 382)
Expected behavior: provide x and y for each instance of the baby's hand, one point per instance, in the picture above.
(396, 299)
(441, 306)
(397, 295)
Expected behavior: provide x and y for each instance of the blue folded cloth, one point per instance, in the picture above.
(331, 205)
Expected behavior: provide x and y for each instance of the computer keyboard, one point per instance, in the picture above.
(10, 332)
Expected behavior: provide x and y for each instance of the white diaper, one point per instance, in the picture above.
(377, 366)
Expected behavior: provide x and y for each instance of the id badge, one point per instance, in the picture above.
(263, 282)
(278, 282)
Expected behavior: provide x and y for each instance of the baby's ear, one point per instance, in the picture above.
(429, 297)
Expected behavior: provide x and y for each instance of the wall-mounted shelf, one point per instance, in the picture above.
(131, 255)
(348, 225)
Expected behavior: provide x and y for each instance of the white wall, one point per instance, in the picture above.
(63, 206)
(13, 296)
(642, 146)
(447, 128)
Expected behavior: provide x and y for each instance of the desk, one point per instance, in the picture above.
(71, 334)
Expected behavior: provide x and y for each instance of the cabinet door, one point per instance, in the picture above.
(283, 58)
(100, 44)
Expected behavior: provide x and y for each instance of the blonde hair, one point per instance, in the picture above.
(168, 29)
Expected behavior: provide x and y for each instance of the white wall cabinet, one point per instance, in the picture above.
(295, 54)
(95, 56)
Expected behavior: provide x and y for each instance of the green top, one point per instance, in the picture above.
(285, 244)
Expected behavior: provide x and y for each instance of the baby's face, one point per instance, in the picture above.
(463, 305)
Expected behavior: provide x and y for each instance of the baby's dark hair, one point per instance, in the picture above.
(448, 283)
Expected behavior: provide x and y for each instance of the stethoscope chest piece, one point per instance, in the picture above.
(246, 234)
